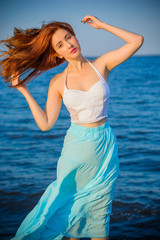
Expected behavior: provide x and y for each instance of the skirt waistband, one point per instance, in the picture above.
(79, 128)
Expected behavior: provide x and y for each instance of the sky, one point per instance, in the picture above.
(139, 16)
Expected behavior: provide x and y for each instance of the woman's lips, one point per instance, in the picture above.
(74, 50)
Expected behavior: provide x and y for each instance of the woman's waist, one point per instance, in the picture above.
(78, 129)
(94, 124)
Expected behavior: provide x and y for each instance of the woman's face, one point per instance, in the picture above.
(64, 42)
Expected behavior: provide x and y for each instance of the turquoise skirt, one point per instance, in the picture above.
(78, 203)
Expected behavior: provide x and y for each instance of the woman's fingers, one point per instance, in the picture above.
(89, 18)
(15, 78)
(92, 21)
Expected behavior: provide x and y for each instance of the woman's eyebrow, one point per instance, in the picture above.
(61, 41)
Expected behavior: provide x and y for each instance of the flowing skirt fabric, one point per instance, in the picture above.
(78, 203)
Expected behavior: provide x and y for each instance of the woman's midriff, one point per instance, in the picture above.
(94, 124)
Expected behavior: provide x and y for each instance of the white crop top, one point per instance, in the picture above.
(87, 106)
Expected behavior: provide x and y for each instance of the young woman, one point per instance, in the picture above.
(78, 203)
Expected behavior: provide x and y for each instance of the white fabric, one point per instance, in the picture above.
(87, 106)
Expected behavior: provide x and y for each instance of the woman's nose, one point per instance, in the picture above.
(68, 44)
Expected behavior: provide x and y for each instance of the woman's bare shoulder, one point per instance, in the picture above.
(99, 62)
(57, 81)
(57, 78)
(101, 67)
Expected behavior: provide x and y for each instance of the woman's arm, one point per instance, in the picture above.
(115, 57)
(47, 118)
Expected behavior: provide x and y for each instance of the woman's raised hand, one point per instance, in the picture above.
(15, 80)
(92, 21)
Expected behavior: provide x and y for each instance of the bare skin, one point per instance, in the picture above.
(81, 75)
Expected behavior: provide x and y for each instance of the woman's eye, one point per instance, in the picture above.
(68, 37)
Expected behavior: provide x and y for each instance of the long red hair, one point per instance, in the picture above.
(30, 51)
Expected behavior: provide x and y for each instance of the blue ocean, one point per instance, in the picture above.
(28, 156)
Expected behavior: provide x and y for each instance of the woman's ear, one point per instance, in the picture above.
(58, 56)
